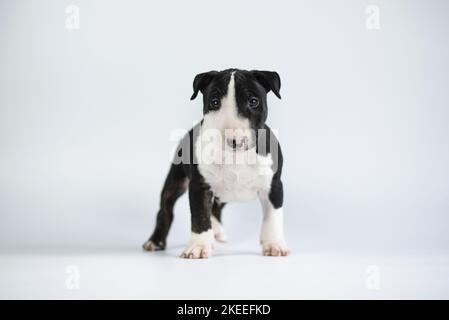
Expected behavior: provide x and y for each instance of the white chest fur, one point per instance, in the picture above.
(236, 176)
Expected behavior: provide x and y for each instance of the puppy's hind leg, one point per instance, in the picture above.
(175, 185)
(217, 225)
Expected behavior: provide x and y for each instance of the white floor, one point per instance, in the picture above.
(234, 272)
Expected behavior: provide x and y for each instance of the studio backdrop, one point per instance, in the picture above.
(93, 95)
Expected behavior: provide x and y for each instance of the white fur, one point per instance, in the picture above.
(218, 230)
(200, 246)
(272, 234)
(240, 181)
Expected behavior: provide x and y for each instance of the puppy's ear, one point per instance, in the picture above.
(270, 80)
(201, 81)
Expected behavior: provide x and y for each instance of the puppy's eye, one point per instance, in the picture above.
(214, 103)
(253, 102)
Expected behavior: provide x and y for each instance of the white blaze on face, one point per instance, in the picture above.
(227, 121)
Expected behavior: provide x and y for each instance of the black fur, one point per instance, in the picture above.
(217, 208)
(184, 170)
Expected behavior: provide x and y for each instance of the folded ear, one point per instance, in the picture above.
(201, 81)
(270, 80)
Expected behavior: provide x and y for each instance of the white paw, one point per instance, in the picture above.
(200, 246)
(197, 252)
(275, 248)
(219, 231)
(151, 246)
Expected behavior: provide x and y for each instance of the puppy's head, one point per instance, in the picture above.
(235, 102)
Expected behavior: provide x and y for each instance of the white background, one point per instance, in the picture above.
(86, 118)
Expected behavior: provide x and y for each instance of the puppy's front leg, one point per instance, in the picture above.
(202, 239)
(272, 234)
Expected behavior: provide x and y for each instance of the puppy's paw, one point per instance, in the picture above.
(200, 246)
(151, 246)
(275, 248)
(197, 252)
(219, 231)
(221, 237)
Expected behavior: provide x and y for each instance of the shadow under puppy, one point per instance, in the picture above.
(231, 155)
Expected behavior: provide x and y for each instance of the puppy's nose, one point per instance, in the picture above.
(237, 143)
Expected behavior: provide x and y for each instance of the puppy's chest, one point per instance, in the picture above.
(238, 182)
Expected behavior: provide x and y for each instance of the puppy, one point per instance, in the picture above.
(231, 155)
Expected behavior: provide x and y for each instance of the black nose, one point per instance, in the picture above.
(235, 143)
(232, 142)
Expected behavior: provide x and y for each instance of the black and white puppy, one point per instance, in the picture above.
(231, 155)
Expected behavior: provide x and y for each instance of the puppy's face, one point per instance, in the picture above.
(235, 102)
